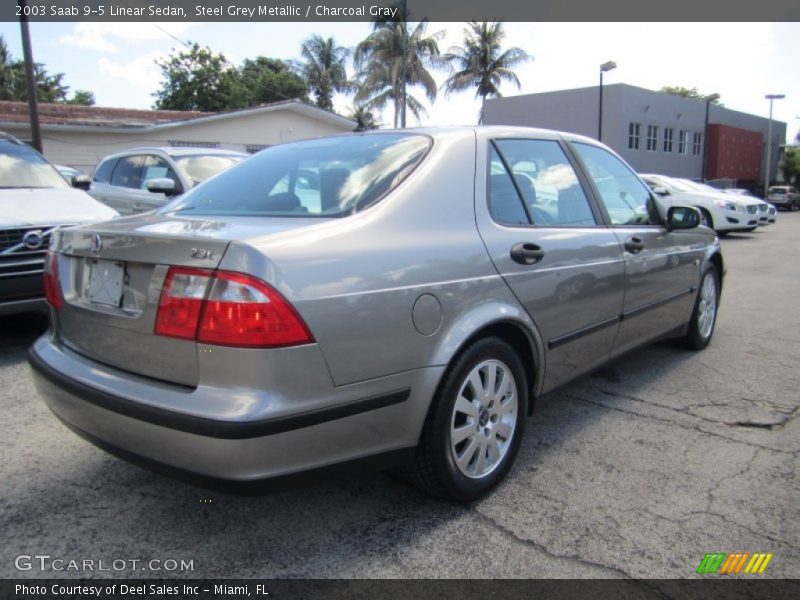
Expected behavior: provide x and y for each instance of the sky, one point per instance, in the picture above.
(740, 61)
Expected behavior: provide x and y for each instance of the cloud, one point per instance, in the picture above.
(141, 72)
(99, 36)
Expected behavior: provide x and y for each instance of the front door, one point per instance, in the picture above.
(661, 266)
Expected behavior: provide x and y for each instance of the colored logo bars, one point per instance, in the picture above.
(730, 564)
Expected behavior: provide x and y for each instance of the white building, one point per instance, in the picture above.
(80, 136)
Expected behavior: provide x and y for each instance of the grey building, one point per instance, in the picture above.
(654, 131)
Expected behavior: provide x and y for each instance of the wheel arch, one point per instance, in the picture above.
(520, 335)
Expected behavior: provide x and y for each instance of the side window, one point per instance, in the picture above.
(156, 167)
(102, 173)
(128, 172)
(505, 205)
(548, 183)
(626, 198)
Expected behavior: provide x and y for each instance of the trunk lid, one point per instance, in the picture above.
(111, 275)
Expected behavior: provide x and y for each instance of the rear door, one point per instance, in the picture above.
(661, 267)
(125, 194)
(547, 240)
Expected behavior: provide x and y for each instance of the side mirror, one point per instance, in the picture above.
(683, 217)
(81, 182)
(162, 185)
(661, 190)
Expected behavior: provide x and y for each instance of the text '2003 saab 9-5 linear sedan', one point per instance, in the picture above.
(391, 296)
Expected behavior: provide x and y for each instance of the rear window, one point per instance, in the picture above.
(328, 177)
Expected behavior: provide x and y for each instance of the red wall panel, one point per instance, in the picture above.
(734, 153)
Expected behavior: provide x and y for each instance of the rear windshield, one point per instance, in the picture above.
(21, 167)
(328, 177)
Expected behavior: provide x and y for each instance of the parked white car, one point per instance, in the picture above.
(35, 199)
(723, 214)
(143, 179)
(767, 213)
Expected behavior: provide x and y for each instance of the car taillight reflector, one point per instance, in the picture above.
(181, 302)
(238, 310)
(52, 289)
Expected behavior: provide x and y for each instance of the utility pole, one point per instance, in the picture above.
(30, 80)
(405, 66)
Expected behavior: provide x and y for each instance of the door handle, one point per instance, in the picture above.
(526, 253)
(634, 244)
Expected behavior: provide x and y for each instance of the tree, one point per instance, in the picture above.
(13, 86)
(364, 117)
(379, 61)
(691, 93)
(481, 63)
(791, 164)
(323, 68)
(265, 80)
(82, 97)
(198, 79)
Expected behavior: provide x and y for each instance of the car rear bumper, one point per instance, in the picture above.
(367, 425)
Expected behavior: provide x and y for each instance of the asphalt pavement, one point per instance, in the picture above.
(636, 471)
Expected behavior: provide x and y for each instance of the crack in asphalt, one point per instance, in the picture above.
(542, 548)
(681, 425)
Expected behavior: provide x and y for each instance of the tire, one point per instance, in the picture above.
(470, 437)
(704, 315)
(705, 218)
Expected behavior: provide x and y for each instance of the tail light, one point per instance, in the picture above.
(227, 309)
(52, 289)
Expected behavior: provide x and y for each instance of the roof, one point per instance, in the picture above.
(71, 116)
(177, 151)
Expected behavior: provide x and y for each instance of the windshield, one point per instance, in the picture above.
(22, 167)
(327, 177)
(199, 167)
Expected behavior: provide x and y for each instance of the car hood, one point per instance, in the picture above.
(50, 206)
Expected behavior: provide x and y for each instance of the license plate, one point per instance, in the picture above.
(105, 282)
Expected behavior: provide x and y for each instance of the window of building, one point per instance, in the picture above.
(652, 138)
(697, 143)
(669, 133)
(682, 139)
(253, 148)
(179, 144)
(634, 132)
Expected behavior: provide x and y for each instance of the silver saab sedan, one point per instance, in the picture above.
(396, 298)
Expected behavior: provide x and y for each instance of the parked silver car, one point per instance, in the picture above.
(144, 179)
(407, 308)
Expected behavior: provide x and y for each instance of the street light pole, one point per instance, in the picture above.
(709, 100)
(606, 66)
(768, 163)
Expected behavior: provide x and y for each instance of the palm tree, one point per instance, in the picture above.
(323, 67)
(481, 63)
(380, 63)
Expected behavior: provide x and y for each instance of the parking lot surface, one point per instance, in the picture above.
(637, 470)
